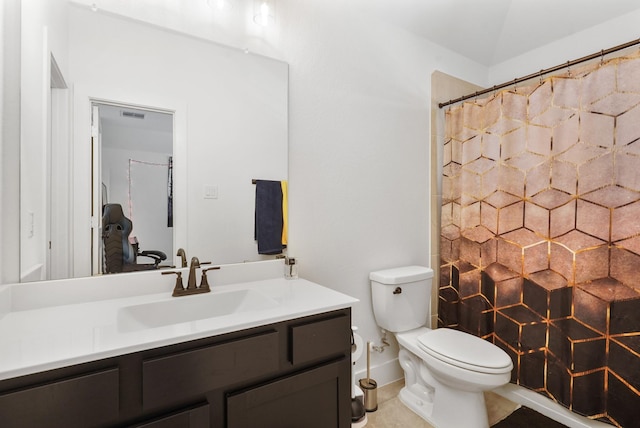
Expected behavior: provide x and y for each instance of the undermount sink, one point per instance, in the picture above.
(192, 308)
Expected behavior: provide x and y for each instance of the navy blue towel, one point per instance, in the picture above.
(268, 218)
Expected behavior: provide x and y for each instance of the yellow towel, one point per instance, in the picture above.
(285, 214)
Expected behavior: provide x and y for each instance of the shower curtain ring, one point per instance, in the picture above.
(569, 68)
(541, 76)
(602, 57)
(515, 85)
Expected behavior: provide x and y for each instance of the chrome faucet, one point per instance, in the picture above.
(183, 257)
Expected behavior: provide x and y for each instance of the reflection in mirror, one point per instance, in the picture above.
(9, 141)
(136, 175)
(229, 112)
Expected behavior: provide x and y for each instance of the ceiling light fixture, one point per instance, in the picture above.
(264, 12)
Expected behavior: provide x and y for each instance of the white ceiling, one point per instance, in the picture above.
(492, 31)
(147, 128)
(486, 31)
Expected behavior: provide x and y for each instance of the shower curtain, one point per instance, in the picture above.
(540, 237)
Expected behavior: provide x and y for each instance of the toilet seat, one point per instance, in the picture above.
(465, 351)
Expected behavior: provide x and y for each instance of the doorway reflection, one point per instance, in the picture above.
(136, 171)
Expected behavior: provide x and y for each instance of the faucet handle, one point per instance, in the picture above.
(179, 288)
(204, 283)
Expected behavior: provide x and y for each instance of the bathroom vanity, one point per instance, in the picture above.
(284, 362)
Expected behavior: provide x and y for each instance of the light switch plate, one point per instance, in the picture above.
(210, 192)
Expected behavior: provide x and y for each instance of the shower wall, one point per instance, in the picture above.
(540, 238)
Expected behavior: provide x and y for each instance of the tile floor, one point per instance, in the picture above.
(392, 413)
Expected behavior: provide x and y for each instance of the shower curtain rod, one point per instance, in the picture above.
(540, 73)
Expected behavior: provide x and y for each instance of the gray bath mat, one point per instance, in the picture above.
(527, 418)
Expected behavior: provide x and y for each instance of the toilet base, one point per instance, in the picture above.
(444, 403)
(419, 399)
(450, 415)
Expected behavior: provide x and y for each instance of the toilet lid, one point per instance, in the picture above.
(465, 350)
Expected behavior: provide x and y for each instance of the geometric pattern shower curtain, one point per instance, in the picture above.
(540, 238)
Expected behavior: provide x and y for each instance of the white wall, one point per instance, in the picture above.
(359, 151)
(43, 33)
(9, 140)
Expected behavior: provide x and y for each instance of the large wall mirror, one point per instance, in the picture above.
(92, 83)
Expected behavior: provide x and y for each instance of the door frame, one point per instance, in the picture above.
(84, 97)
(97, 196)
(58, 227)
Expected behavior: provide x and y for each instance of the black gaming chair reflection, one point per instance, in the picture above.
(120, 255)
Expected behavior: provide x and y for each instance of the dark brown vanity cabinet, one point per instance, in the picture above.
(294, 374)
(313, 397)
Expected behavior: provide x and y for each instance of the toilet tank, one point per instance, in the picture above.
(401, 297)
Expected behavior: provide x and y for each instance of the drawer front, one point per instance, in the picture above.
(190, 374)
(83, 401)
(320, 339)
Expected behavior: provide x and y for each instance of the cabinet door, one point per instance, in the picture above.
(84, 401)
(317, 398)
(197, 417)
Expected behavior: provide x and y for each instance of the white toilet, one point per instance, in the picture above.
(445, 370)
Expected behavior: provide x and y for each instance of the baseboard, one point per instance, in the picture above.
(384, 374)
(549, 408)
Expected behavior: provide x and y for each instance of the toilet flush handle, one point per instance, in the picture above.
(398, 290)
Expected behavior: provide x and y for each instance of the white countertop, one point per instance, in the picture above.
(45, 337)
